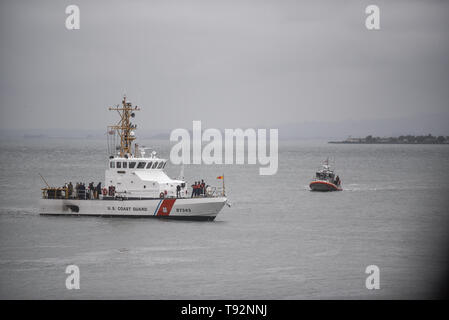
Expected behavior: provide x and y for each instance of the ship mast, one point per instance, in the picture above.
(124, 127)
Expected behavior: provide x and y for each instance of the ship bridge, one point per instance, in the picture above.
(141, 177)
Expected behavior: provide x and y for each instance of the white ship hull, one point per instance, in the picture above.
(171, 208)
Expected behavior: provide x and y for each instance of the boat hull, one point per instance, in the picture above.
(197, 209)
(323, 186)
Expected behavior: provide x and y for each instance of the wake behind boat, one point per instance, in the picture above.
(137, 185)
(325, 180)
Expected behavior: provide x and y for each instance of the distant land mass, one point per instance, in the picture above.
(408, 139)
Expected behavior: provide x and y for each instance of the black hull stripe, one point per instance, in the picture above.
(184, 218)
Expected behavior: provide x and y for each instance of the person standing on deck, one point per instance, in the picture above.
(193, 190)
(203, 187)
(196, 188)
(98, 190)
(70, 187)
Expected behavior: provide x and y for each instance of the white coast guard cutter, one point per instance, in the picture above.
(135, 185)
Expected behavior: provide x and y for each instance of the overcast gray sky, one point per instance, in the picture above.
(227, 63)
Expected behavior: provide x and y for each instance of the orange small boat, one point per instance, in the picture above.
(325, 180)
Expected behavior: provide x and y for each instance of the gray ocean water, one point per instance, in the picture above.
(277, 241)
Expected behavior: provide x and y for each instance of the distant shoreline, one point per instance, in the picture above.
(409, 139)
(344, 142)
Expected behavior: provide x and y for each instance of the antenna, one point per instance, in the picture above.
(44, 180)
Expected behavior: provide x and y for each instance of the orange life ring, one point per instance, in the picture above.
(105, 191)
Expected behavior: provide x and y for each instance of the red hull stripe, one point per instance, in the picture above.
(165, 207)
(325, 183)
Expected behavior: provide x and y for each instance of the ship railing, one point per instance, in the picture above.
(55, 193)
(212, 192)
(65, 193)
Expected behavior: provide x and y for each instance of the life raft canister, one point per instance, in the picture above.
(161, 195)
(105, 191)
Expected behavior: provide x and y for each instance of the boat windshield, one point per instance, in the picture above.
(320, 175)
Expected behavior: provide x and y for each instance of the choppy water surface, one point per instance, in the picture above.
(277, 241)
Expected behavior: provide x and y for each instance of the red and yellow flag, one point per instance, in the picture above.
(220, 177)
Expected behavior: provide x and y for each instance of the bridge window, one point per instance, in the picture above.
(119, 164)
(160, 164)
(141, 165)
(112, 164)
(132, 165)
(155, 165)
(125, 164)
(149, 164)
(164, 164)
